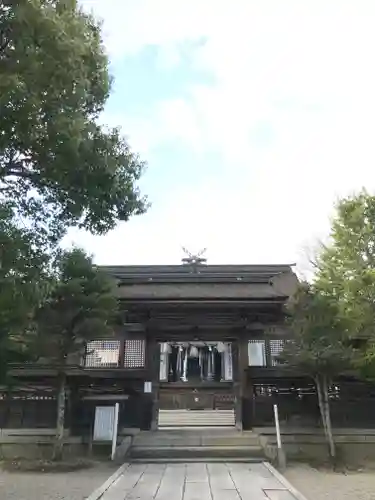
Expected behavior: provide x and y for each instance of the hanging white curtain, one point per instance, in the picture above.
(185, 364)
(209, 364)
(228, 363)
(179, 362)
(201, 363)
(193, 352)
(221, 347)
(164, 361)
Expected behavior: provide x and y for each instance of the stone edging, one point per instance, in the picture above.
(99, 492)
(284, 482)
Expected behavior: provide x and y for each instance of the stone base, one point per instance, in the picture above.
(196, 444)
(354, 446)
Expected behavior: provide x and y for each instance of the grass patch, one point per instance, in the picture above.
(23, 465)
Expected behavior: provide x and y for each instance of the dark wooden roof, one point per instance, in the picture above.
(201, 273)
(203, 282)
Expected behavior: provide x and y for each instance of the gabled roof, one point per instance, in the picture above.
(203, 273)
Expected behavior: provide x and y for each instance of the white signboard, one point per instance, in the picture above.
(228, 363)
(104, 423)
(257, 353)
(147, 387)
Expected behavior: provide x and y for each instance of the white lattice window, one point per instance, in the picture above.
(134, 353)
(257, 352)
(276, 348)
(102, 354)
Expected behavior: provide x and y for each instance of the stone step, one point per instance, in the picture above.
(199, 412)
(200, 418)
(198, 460)
(196, 452)
(196, 418)
(166, 438)
(194, 423)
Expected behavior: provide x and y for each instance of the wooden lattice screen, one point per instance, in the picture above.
(276, 347)
(134, 353)
(102, 353)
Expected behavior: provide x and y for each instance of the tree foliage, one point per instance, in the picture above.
(81, 307)
(58, 167)
(333, 320)
(318, 345)
(24, 275)
(347, 271)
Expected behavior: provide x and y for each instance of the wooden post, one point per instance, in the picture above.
(237, 383)
(121, 358)
(115, 429)
(91, 439)
(153, 362)
(281, 459)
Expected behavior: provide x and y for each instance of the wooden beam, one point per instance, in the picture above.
(106, 397)
(175, 326)
(124, 373)
(203, 302)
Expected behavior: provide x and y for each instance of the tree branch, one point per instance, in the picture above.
(19, 173)
(16, 169)
(4, 45)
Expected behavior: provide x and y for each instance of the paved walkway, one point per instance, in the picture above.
(198, 481)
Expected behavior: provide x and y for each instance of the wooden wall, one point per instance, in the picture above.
(352, 404)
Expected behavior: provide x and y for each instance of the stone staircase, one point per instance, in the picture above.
(194, 445)
(196, 418)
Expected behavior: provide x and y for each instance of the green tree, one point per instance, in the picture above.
(82, 306)
(318, 346)
(58, 167)
(346, 272)
(24, 275)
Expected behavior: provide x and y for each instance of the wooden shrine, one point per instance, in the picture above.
(193, 337)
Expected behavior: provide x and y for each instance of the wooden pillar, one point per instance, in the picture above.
(241, 389)
(153, 360)
(247, 387)
(121, 358)
(237, 384)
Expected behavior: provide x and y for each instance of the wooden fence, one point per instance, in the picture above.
(33, 411)
(352, 404)
(30, 412)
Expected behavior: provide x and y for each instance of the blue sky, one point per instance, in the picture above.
(253, 116)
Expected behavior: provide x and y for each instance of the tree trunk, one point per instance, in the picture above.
(331, 443)
(59, 441)
(321, 404)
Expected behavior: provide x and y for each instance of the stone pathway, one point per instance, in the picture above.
(198, 481)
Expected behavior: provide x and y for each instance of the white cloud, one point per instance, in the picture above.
(129, 26)
(302, 68)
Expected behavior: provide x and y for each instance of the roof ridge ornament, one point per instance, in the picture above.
(194, 260)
